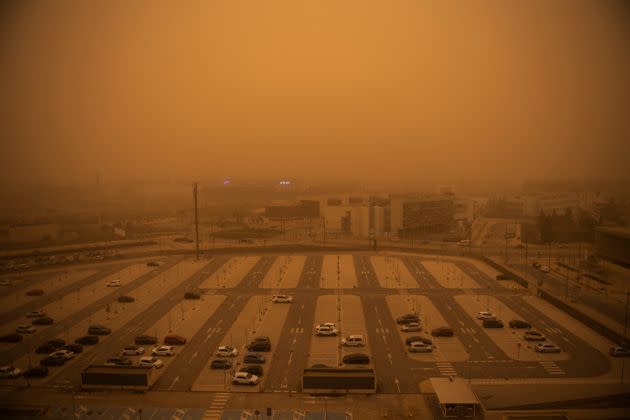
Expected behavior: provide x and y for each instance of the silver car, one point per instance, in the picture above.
(411, 327)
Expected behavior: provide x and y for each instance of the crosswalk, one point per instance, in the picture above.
(215, 411)
(446, 368)
(297, 330)
(552, 368)
(552, 330)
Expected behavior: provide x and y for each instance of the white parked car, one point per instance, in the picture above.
(133, 350)
(10, 372)
(149, 361)
(227, 351)
(547, 348)
(25, 329)
(282, 299)
(544, 268)
(419, 347)
(114, 283)
(325, 331)
(353, 341)
(66, 354)
(411, 327)
(36, 314)
(244, 378)
(483, 315)
(163, 351)
(533, 335)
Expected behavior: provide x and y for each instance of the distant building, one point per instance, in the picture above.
(429, 215)
(305, 209)
(30, 233)
(334, 202)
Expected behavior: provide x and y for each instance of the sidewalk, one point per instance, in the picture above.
(580, 307)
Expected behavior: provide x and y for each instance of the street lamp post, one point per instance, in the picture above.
(625, 328)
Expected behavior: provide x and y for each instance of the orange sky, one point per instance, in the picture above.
(389, 91)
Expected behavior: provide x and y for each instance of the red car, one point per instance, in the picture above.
(173, 339)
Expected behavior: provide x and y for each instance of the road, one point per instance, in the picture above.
(294, 343)
(396, 371)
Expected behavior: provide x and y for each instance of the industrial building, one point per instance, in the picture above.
(305, 209)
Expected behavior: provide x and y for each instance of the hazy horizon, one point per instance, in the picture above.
(394, 93)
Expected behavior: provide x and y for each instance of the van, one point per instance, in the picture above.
(353, 341)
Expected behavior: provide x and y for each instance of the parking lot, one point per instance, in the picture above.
(359, 295)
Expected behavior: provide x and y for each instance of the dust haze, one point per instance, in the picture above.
(399, 92)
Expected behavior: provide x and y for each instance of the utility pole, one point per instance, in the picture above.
(196, 222)
(625, 328)
(506, 243)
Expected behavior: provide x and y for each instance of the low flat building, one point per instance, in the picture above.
(31, 233)
(305, 209)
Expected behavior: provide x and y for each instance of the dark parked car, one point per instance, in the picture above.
(57, 342)
(259, 346)
(45, 348)
(126, 299)
(53, 361)
(356, 359)
(254, 358)
(118, 361)
(619, 351)
(407, 318)
(35, 292)
(253, 369)
(99, 330)
(73, 347)
(221, 364)
(173, 339)
(418, 338)
(36, 372)
(11, 338)
(442, 332)
(145, 339)
(153, 264)
(45, 320)
(517, 323)
(192, 295)
(492, 323)
(87, 340)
